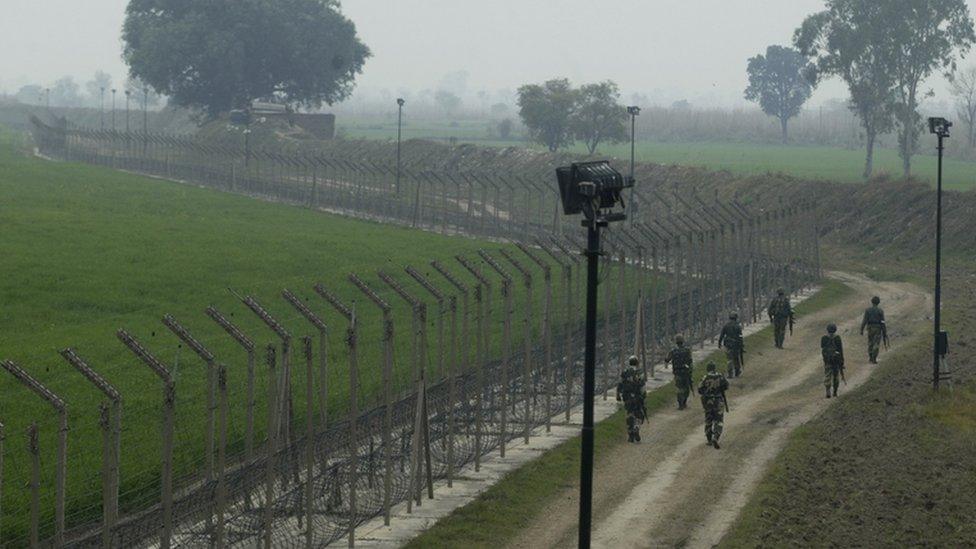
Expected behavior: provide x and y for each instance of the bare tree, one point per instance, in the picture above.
(963, 88)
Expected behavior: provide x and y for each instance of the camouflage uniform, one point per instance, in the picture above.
(712, 390)
(874, 320)
(631, 391)
(832, 350)
(731, 339)
(681, 365)
(780, 313)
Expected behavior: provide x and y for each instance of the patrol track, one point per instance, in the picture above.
(672, 490)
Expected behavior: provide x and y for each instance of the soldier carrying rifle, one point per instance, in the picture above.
(832, 350)
(631, 391)
(781, 315)
(731, 339)
(874, 320)
(712, 390)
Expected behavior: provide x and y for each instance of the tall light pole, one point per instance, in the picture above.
(939, 127)
(400, 103)
(633, 111)
(47, 98)
(101, 106)
(127, 94)
(145, 109)
(590, 188)
(113, 109)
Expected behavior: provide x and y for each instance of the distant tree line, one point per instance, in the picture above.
(556, 114)
(884, 52)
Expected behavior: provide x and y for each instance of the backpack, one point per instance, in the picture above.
(712, 386)
(831, 353)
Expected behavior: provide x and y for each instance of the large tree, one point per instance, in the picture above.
(964, 89)
(926, 37)
(851, 39)
(598, 115)
(778, 82)
(217, 55)
(97, 87)
(547, 112)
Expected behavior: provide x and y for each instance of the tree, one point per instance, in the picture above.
(102, 81)
(505, 128)
(963, 87)
(926, 36)
(599, 116)
(849, 39)
(547, 110)
(138, 88)
(777, 82)
(31, 94)
(223, 54)
(64, 93)
(447, 101)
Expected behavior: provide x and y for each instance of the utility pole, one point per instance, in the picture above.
(101, 106)
(399, 127)
(113, 109)
(939, 127)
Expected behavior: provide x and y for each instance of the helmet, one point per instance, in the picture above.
(710, 367)
(875, 300)
(679, 339)
(733, 315)
(831, 328)
(633, 360)
(779, 291)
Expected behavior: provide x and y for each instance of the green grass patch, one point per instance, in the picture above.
(501, 512)
(87, 250)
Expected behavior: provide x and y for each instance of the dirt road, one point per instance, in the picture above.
(672, 489)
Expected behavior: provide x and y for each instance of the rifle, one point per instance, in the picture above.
(742, 354)
(726, 401)
(884, 335)
(842, 376)
(791, 323)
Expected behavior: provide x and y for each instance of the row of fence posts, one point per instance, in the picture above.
(767, 241)
(280, 400)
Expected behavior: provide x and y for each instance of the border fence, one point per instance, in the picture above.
(494, 342)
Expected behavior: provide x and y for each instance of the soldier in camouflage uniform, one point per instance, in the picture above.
(631, 391)
(780, 314)
(833, 356)
(874, 319)
(731, 339)
(681, 365)
(712, 390)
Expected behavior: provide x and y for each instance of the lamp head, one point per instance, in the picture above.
(939, 126)
(633, 110)
(400, 101)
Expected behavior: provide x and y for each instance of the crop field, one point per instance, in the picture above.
(803, 161)
(88, 250)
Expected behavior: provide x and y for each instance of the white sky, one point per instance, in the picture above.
(666, 48)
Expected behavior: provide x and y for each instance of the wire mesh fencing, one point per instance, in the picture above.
(290, 416)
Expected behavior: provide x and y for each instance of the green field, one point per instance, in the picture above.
(804, 161)
(87, 250)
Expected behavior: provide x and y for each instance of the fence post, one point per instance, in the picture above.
(169, 402)
(221, 454)
(279, 330)
(320, 325)
(62, 454)
(546, 329)
(482, 298)
(35, 484)
(208, 358)
(3, 436)
(248, 345)
(506, 349)
(527, 377)
(269, 468)
(309, 436)
(111, 424)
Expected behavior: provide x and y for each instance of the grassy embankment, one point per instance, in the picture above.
(803, 161)
(87, 250)
(497, 515)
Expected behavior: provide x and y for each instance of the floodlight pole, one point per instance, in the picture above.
(101, 107)
(937, 352)
(589, 380)
(633, 111)
(113, 108)
(399, 127)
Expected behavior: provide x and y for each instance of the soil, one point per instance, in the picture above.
(672, 489)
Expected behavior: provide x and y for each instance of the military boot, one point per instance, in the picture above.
(715, 444)
(828, 393)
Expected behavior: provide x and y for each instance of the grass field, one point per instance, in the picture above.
(88, 250)
(501, 512)
(809, 162)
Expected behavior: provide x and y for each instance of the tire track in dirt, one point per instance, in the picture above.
(672, 490)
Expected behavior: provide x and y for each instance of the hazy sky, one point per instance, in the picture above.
(667, 48)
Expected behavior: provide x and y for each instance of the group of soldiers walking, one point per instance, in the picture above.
(713, 385)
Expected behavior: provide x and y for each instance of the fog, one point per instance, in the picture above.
(664, 49)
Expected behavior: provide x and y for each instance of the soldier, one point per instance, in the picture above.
(780, 314)
(712, 390)
(731, 339)
(681, 364)
(877, 330)
(833, 356)
(631, 391)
